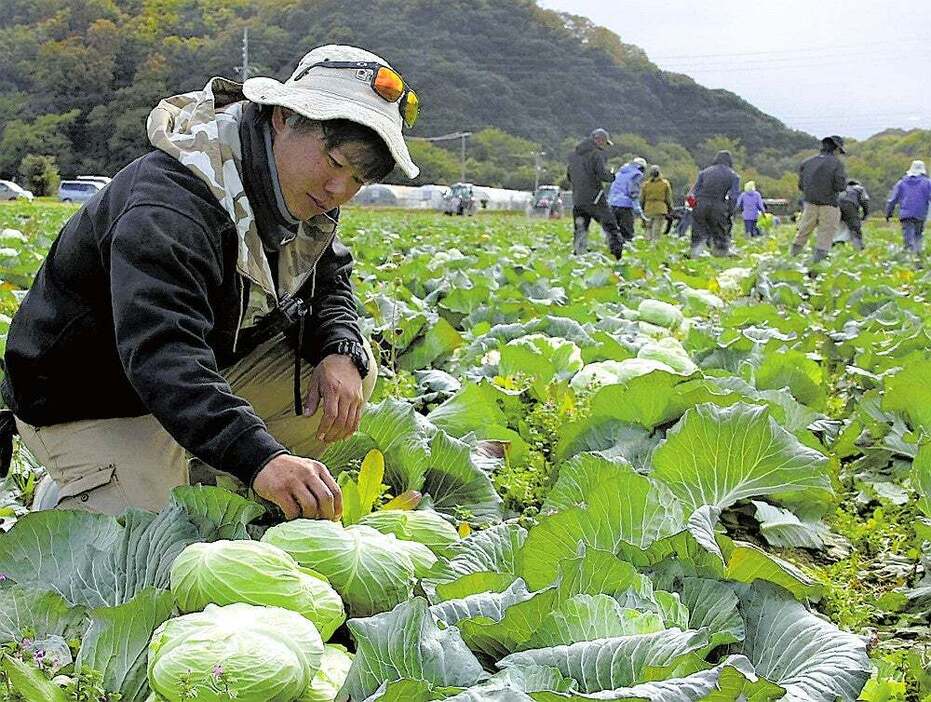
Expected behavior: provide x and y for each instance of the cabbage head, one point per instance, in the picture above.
(332, 674)
(616, 372)
(226, 572)
(260, 654)
(372, 572)
(421, 525)
(660, 313)
(670, 352)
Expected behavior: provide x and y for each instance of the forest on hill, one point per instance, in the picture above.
(79, 77)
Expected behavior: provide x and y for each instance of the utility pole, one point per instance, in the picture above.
(537, 168)
(243, 70)
(462, 147)
(462, 154)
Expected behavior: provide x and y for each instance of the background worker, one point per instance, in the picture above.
(821, 178)
(624, 196)
(852, 202)
(587, 172)
(656, 200)
(715, 191)
(911, 195)
(750, 204)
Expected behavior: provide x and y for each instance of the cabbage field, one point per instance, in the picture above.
(665, 479)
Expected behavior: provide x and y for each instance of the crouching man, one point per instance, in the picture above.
(201, 305)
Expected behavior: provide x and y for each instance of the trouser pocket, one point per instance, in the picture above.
(98, 491)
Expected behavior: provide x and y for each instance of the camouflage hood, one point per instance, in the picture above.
(201, 130)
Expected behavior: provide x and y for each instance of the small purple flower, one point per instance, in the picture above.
(217, 671)
(3, 577)
(39, 654)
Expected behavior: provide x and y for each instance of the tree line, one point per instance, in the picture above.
(79, 77)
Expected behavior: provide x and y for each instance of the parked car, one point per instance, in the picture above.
(103, 180)
(78, 190)
(11, 191)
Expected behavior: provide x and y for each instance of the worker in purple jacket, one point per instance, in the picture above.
(750, 203)
(912, 194)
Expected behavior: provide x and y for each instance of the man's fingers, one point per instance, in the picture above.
(323, 496)
(307, 499)
(330, 414)
(343, 424)
(334, 490)
(312, 401)
(288, 505)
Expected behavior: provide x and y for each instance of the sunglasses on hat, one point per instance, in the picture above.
(386, 82)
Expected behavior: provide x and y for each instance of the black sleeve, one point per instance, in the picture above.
(334, 316)
(602, 172)
(163, 269)
(840, 177)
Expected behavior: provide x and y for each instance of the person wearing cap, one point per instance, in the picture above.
(201, 303)
(716, 190)
(911, 194)
(821, 178)
(656, 201)
(852, 202)
(624, 195)
(587, 171)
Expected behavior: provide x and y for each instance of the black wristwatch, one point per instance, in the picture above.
(355, 352)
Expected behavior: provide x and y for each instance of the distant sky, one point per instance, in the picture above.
(852, 68)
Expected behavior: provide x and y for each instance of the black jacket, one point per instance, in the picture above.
(857, 196)
(136, 309)
(821, 178)
(719, 182)
(587, 170)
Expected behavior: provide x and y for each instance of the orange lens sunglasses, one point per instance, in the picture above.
(386, 82)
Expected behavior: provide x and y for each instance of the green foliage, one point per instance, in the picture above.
(655, 554)
(110, 62)
(47, 134)
(26, 676)
(40, 174)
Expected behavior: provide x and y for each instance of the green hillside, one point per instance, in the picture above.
(78, 77)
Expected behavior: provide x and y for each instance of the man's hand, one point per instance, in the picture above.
(336, 386)
(301, 487)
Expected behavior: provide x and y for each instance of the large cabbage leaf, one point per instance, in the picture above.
(38, 614)
(607, 664)
(484, 561)
(116, 644)
(97, 561)
(422, 525)
(420, 457)
(808, 656)
(371, 571)
(627, 508)
(716, 456)
(406, 643)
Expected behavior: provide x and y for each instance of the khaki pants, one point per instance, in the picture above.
(107, 465)
(655, 227)
(826, 218)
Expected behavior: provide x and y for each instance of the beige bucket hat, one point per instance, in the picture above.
(917, 168)
(337, 93)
